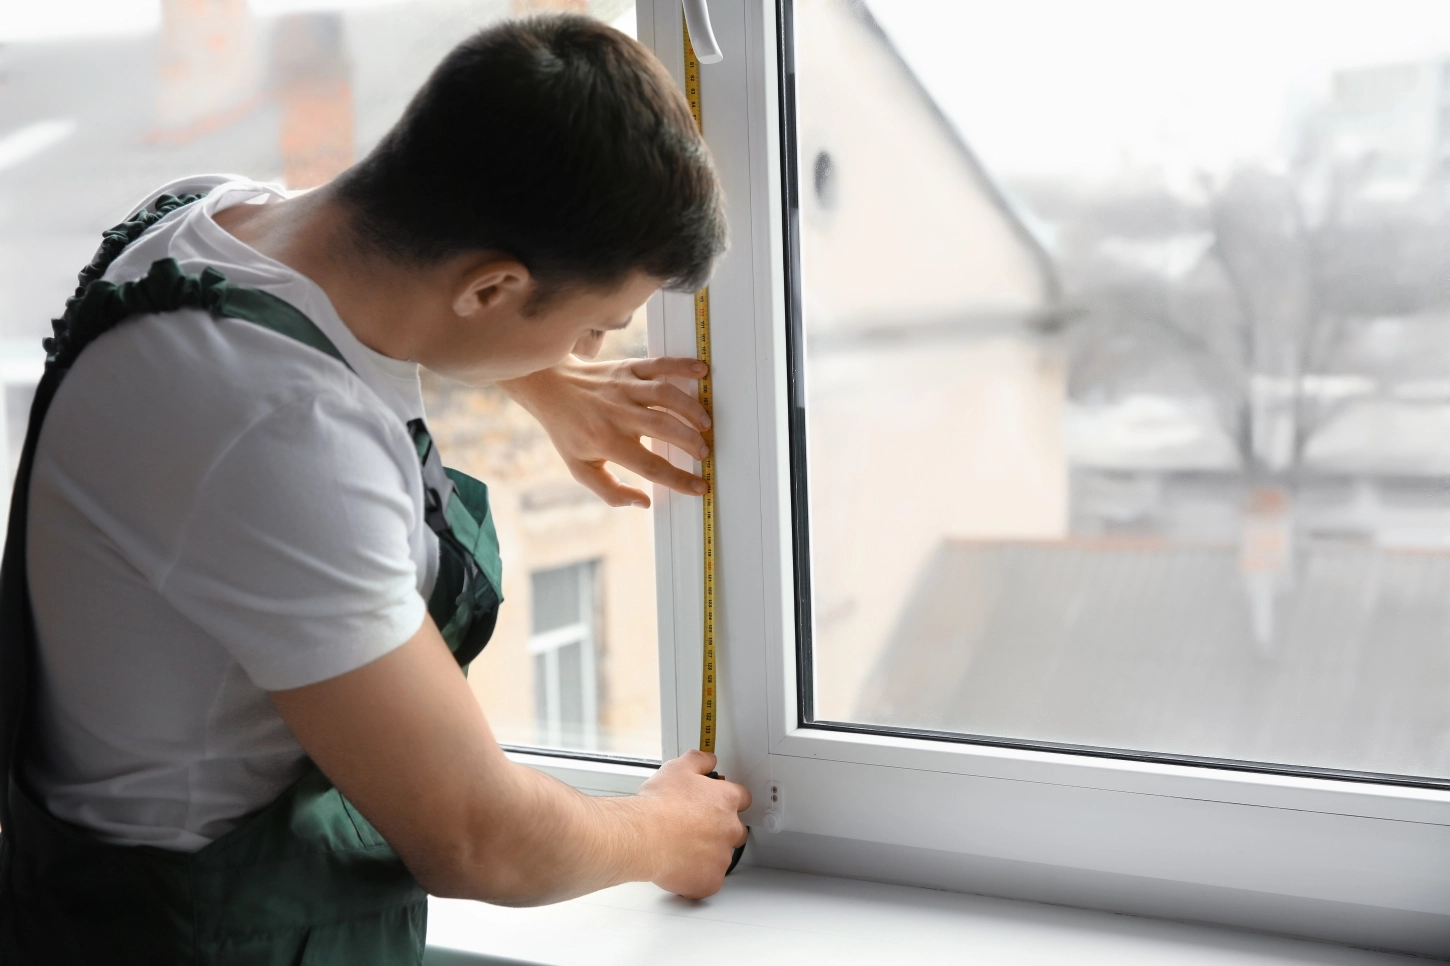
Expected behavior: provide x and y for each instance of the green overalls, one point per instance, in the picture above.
(305, 880)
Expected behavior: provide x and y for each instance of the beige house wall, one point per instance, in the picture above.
(910, 445)
(934, 399)
(914, 232)
(545, 519)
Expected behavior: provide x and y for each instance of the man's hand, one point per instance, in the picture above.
(698, 824)
(596, 412)
(405, 740)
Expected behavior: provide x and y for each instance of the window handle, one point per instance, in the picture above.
(697, 19)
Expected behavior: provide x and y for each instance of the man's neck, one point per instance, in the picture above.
(312, 233)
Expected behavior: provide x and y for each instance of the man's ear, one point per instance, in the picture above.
(491, 284)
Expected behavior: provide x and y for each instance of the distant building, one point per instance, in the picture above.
(1223, 545)
(1395, 120)
(210, 67)
(573, 662)
(1373, 466)
(312, 82)
(935, 385)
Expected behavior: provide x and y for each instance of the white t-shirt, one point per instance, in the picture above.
(216, 511)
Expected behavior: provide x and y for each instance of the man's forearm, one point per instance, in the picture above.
(536, 840)
(404, 738)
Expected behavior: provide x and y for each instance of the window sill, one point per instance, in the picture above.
(768, 916)
(591, 776)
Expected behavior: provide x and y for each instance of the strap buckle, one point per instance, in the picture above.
(438, 487)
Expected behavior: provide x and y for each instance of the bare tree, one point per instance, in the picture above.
(1291, 262)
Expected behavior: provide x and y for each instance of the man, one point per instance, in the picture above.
(239, 585)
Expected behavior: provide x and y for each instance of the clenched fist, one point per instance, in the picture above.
(696, 824)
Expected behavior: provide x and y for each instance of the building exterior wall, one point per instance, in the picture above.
(903, 227)
(882, 502)
(545, 520)
(924, 299)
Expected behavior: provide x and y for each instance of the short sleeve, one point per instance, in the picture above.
(298, 555)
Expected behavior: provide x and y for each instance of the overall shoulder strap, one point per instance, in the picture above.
(113, 243)
(166, 288)
(98, 306)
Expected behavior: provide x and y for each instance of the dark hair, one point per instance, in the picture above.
(555, 140)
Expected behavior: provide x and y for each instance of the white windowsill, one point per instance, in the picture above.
(765, 916)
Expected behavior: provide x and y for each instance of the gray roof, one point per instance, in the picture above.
(1148, 646)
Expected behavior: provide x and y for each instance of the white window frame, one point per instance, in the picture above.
(1348, 861)
(546, 644)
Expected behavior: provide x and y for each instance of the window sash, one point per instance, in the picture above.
(559, 637)
(1345, 860)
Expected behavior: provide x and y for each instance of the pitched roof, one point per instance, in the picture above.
(1149, 646)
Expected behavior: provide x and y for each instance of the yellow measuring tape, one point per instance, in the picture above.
(708, 718)
(708, 693)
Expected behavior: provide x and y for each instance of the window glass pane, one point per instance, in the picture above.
(1126, 332)
(101, 105)
(556, 594)
(571, 693)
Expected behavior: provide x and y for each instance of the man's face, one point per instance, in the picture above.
(503, 336)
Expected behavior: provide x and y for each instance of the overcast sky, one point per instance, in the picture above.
(1054, 86)
(48, 19)
(1047, 86)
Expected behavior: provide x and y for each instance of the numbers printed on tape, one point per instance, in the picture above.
(708, 717)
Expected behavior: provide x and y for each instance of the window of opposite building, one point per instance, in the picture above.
(566, 684)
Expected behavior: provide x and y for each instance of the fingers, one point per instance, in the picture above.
(700, 762)
(661, 366)
(656, 469)
(663, 426)
(703, 763)
(671, 397)
(606, 485)
(659, 470)
(743, 798)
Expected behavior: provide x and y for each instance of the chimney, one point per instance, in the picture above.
(210, 71)
(311, 77)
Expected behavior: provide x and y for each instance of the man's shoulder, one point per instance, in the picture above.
(174, 415)
(192, 184)
(192, 358)
(179, 388)
(188, 380)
